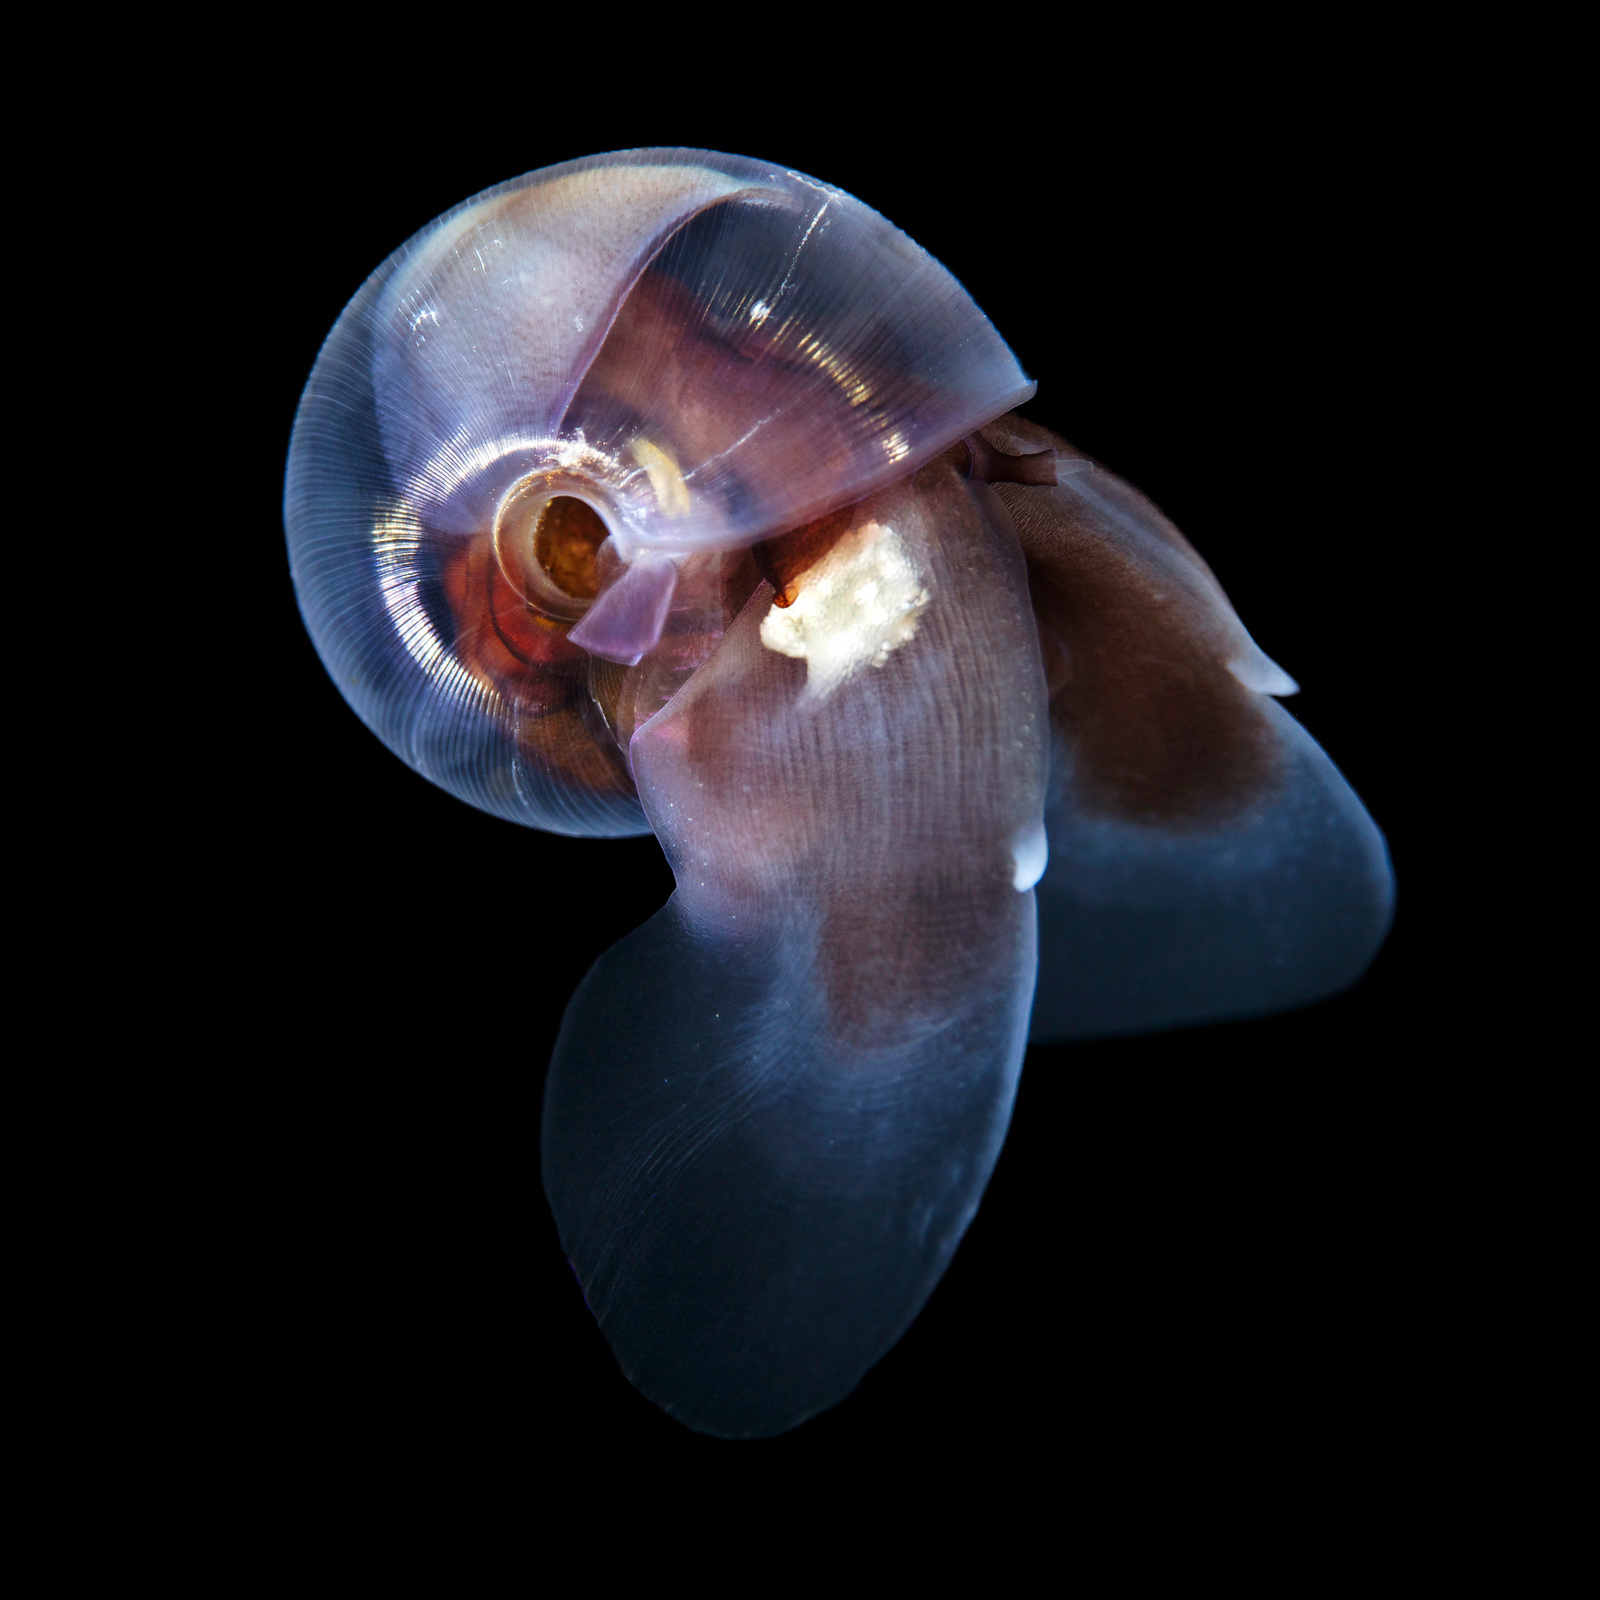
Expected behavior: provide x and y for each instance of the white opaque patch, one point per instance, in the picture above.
(1262, 674)
(1031, 853)
(859, 603)
(672, 493)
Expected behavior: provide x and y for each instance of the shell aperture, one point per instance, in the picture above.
(632, 496)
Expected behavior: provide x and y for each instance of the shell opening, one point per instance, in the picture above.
(547, 539)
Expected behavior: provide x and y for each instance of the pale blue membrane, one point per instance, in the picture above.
(755, 1210)
(1144, 926)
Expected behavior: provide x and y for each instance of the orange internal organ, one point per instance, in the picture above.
(526, 659)
(566, 543)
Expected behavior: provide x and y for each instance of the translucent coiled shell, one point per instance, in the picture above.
(703, 350)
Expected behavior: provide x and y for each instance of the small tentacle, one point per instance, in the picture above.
(989, 465)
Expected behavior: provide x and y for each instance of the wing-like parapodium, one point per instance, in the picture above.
(772, 1111)
(1207, 860)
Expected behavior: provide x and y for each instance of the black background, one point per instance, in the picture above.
(1200, 1244)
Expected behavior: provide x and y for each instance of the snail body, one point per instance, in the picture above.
(669, 491)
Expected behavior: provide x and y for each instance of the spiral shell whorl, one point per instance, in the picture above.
(712, 348)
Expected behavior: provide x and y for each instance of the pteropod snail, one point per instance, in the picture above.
(668, 491)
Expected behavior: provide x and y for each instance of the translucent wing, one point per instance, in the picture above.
(772, 1110)
(1207, 860)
